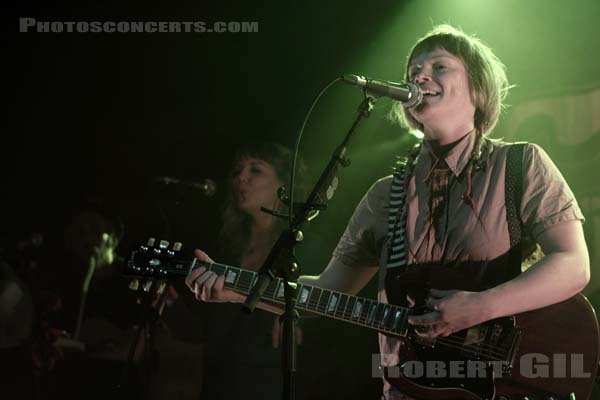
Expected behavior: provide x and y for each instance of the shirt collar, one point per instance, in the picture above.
(457, 158)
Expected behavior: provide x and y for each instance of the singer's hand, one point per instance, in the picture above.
(208, 286)
(453, 311)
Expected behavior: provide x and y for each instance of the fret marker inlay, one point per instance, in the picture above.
(332, 303)
(231, 276)
(371, 314)
(397, 319)
(304, 296)
(280, 290)
(357, 309)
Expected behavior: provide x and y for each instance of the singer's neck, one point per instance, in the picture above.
(262, 224)
(444, 135)
(261, 238)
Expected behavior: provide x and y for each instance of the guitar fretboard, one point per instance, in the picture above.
(387, 318)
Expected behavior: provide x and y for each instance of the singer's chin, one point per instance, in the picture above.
(417, 110)
(240, 202)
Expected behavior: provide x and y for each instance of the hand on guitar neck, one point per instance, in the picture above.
(208, 286)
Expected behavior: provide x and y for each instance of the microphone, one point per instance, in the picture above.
(207, 187)
(408, 94)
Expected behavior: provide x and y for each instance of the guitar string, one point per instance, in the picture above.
(476, 349)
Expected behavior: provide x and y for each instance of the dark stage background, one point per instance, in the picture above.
(90, 119)
(97, 115)
(93, 117)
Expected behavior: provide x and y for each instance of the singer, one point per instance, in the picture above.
(465, 206)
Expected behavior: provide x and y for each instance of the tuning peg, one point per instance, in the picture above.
(177, 246)
(147, 286)
(151, 241)
(134, 284)
(163, 244)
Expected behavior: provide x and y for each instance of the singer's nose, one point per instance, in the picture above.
(420, 77)
(244, 176)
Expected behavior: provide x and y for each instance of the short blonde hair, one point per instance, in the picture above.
(486, 73)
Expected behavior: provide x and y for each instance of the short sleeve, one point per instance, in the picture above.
(547, 198)
(359, 245)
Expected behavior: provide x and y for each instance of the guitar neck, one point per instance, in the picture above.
(387, 318)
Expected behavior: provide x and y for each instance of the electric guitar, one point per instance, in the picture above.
(550, 353)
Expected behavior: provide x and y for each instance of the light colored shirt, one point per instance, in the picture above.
(455, 232)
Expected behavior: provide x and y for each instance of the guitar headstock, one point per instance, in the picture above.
(156, 261)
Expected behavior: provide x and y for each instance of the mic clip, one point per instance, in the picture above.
(285, 199)
(344, 161)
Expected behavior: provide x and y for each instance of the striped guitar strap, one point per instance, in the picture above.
(397, 250)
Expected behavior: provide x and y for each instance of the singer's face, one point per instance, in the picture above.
(444, 81)
(255, 185)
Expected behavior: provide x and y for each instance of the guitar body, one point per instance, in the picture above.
(565, 336)
(547, 353)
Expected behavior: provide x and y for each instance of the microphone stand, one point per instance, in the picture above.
(281, 261)
(143, 336)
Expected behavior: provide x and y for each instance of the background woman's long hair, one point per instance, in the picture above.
(235, 230)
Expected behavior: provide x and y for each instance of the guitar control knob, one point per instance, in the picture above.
(163, 244)
(177, 246)
(151, 242)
